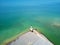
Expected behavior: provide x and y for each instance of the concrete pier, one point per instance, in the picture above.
(31, 38)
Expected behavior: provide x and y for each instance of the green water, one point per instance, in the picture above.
(12, 23)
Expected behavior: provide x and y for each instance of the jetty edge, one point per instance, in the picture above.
(30, 32)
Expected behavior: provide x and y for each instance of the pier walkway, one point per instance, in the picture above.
(31, 38)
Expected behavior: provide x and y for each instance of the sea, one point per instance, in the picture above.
(44, 17)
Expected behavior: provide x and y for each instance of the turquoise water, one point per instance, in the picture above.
(46, 18)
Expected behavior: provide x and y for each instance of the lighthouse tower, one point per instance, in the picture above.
(31, 29)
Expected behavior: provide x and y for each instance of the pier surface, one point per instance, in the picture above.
(31, 38)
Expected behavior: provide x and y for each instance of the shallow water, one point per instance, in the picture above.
(46, 18)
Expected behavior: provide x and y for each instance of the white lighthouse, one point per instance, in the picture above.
(31, 29)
